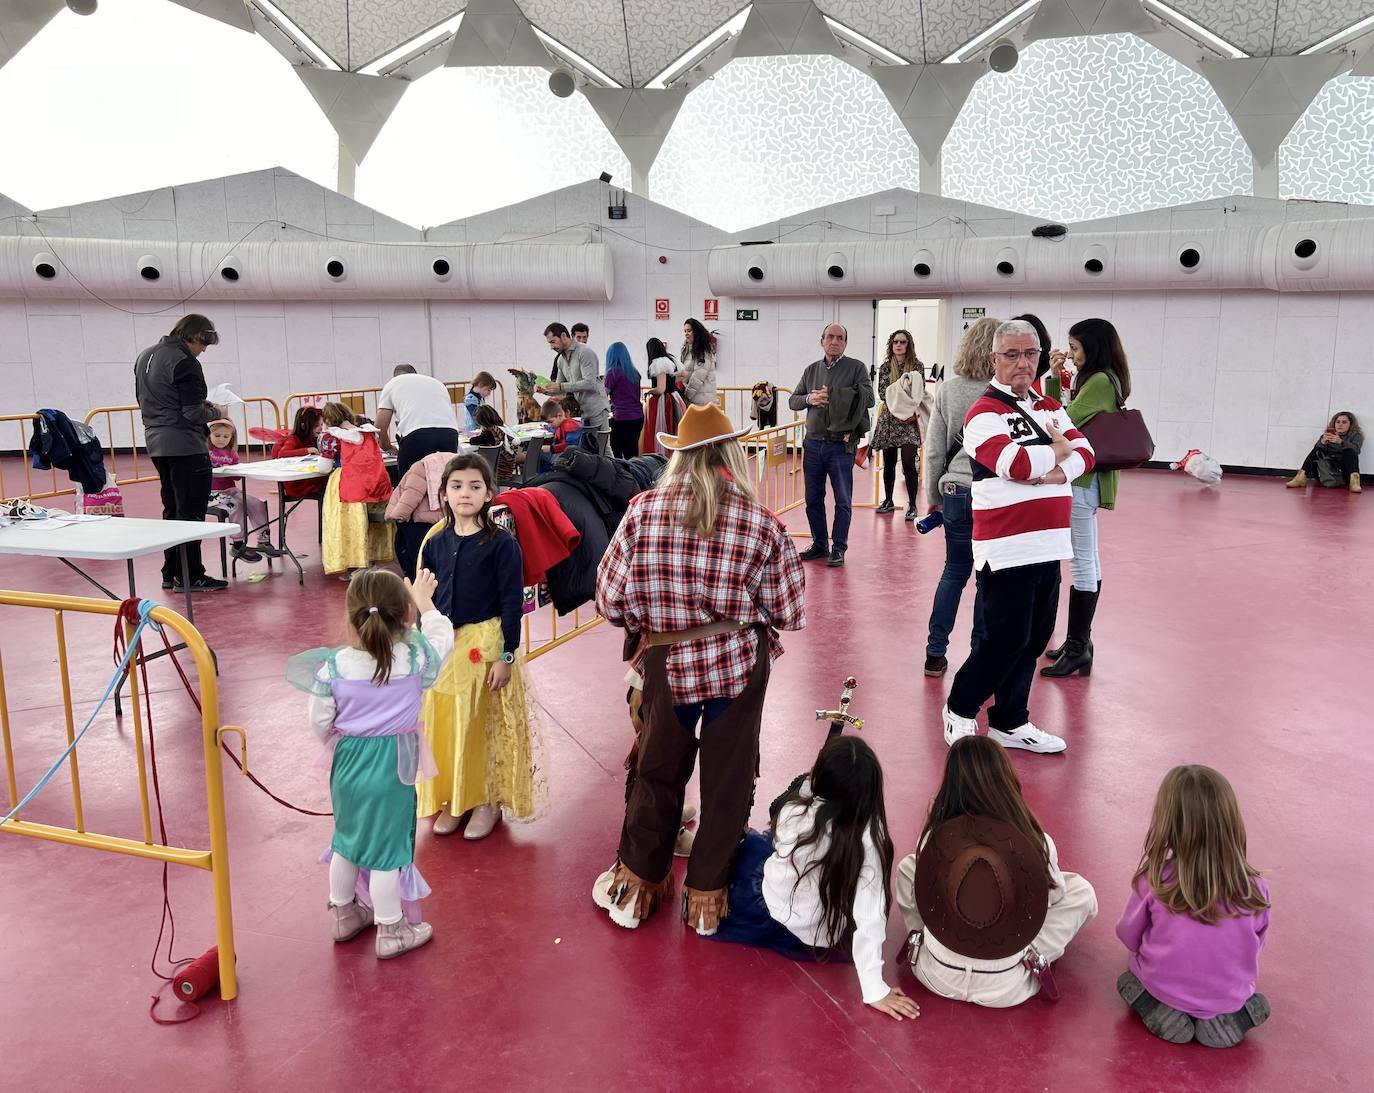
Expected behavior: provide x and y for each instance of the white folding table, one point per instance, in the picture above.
(114, 539)
(280, 471)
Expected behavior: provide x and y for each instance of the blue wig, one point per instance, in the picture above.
(618, 360)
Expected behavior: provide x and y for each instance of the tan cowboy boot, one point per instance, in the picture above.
(1355, 486)
(1297, 481)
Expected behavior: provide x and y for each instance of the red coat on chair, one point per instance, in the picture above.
(362, 474)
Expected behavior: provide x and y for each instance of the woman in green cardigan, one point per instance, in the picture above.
(1102, 385)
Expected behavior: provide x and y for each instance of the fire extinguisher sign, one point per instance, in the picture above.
(711, 311)
(660, 308)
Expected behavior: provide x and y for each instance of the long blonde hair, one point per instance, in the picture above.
(700, 470)
(1194, 858)
(974, 359)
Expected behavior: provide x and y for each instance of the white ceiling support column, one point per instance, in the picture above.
(1073, 18)
(357, 106)
(496, 32)
(1266, 177)
(932, 180)
(778, 28)
(22, 20)
(348, 171)
(233, 12)
(1265, 96)
(639, 120)
(928, 98)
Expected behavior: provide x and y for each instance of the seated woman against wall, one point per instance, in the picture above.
(1334, 460)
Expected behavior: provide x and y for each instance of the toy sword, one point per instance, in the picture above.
(840, 718)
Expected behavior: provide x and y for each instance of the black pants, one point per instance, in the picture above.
(185, 496)
(422, 442)
(909, 471)
(625, 437)
(1349, 462)
(1019, 607)
(409, 535)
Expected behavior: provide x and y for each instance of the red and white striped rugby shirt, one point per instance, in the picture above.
(1017, 519)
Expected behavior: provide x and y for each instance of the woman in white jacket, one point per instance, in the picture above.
(698, 364)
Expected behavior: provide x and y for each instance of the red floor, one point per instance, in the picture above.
(1233, 631)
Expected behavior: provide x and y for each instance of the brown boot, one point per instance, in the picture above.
(1297, 481)
(1355, 486)
(627, 898)
(397, 938)
(702, 911)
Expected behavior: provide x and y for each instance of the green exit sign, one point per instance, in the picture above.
(748, 316)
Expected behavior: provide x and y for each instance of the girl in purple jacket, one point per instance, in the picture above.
(1197, 917)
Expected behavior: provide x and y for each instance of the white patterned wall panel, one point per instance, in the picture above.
(826, 134)
(661, 31)
(1327, 155)
(593, 28)
(1094, 127)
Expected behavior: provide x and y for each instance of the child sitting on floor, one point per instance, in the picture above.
(820, 881)
(365, 705)
(351, 540)
(1197, 917)
(989, 944)
(234, 497)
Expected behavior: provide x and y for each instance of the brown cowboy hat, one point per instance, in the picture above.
(982, 888)
(700, 426)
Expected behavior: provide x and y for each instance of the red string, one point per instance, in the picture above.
(129, 612)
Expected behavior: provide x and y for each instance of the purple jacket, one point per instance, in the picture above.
(625, 404)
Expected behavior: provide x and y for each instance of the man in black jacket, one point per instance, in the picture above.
(170, 388)
(836, 393)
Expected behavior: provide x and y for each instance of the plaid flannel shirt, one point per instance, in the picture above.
(659, 577)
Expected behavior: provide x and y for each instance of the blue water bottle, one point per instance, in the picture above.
(930, 521)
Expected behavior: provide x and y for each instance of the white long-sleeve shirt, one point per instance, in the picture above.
(357, 664)
(794, 900)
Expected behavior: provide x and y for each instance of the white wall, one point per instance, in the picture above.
(1249, 376)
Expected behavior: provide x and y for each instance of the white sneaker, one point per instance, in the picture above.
(601, 896)
(1028, 738)
(957, 727)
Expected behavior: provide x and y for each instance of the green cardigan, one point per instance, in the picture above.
(1097, 396)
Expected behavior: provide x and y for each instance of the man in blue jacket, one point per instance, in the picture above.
(170, 389)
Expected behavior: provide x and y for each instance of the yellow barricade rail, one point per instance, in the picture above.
(363, 400)
(15, 431)
(118, 429)
(216, 859)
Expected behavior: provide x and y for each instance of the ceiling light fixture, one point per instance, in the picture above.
(997, 30)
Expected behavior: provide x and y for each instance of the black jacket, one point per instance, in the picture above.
(170, 389)
(572, 582)
(69, 446)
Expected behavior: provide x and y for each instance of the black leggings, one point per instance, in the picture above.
(909, 471)
(1349, 462)
(625, 437)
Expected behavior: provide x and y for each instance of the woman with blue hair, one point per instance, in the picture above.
(627, 411)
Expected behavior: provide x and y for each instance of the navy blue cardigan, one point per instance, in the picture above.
(479, 579)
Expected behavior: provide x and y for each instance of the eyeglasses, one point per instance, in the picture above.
(1011, 356)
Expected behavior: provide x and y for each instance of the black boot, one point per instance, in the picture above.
(1076, 654)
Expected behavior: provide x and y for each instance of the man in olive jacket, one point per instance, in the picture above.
(170, 389)
(836, 394)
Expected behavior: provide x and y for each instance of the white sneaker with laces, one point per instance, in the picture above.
(1029, 738)
(956, 726)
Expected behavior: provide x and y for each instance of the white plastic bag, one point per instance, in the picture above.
(1200, 465)
(223, 395)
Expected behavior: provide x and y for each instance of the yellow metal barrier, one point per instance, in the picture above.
(216, 859)
(18, 428)
(363, 400)
(119, 429)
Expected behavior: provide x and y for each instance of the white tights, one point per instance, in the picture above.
(384, 885)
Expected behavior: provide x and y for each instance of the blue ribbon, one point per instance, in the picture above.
(145, 607)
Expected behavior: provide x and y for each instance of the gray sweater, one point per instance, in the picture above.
(170, 389)
(953, 398)
(846, 372)
(579, 373)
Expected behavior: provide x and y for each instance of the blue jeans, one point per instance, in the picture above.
(957, 505)
(1087, 564)
(822, 461)
(705, 712)
(749, 922)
